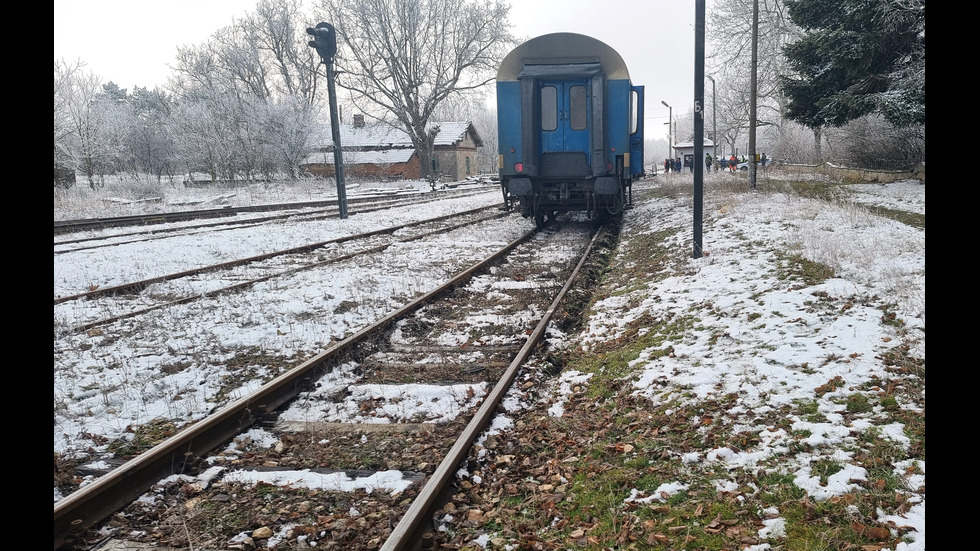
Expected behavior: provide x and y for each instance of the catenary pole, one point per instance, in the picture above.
(698, 125)
(714, 123)
(753, 93)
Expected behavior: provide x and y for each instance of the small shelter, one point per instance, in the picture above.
(382, 151)
(685, 151)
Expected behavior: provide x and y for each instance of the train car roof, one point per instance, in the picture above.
(562, 48)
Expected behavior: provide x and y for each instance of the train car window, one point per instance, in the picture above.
(578, 108)
(549, 108)
(634, 105)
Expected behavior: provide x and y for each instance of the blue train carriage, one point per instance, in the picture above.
(570, 128)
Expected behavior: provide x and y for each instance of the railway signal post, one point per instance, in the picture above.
(325, 43)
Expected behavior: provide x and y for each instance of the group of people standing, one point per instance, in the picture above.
(720, 163)
(673, 165)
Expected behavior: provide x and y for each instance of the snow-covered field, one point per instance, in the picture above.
(774, 342)
(772, 332)
(170, 363)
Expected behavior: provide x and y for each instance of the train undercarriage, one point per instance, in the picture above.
(544, 200)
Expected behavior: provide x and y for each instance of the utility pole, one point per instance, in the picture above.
(325, 43)
(753, 93)
(699, 8)
(670, 128)
(714, 123)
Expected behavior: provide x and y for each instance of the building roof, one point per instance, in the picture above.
(373, 156)
(682, 145)
(385, 136)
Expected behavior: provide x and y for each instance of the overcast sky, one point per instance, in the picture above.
(131, 43)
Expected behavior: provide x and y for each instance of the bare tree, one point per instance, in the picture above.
(89, 123)
(872, 142)
(255, 81)
(400, 59)
(150, 142)
(286, 127)
(65, 76)
(729, 30)
(276, 31)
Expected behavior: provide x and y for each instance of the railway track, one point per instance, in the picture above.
(459, 347)
(313, 208)
(240, 273)
(121, 267)
(236, 328)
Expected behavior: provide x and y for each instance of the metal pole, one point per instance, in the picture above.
(698, 125)
(753, 92)
(338, 154)
(714, 123)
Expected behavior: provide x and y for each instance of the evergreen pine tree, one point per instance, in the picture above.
(857, 57)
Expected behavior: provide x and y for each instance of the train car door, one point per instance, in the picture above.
(565, 116)
(636, 132)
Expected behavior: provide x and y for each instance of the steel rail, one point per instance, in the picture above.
(137, 286)
(97, 501)
(249, 283)
(408, 529)
(68, 226)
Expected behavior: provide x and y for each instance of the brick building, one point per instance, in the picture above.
(382, 151)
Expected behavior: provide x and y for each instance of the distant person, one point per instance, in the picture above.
(707, 161)
(732, 163)
(666, 166)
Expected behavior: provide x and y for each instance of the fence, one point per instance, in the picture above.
(861, 175)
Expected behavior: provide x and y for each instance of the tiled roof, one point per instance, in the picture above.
(377, 157)
(385, 136)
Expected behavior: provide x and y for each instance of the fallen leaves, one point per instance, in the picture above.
(830, 386)
(877, 533)
(622, 447)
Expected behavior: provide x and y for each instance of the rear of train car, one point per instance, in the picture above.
(570, 128)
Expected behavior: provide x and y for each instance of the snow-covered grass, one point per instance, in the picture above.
(127, 196)
(787, 361)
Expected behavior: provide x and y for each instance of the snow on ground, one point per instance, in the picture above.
(771, 341)
(758, 336)
(170, 364)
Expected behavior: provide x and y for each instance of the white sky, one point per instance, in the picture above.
(132, 43)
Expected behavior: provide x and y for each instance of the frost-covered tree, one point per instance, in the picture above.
(251, 91)
(150, 143)
(90, 122)
(285, 128)
(485, 123)
(856, 57)
(400, 59)
(729, 33)
(276, 31)
(65, 108)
